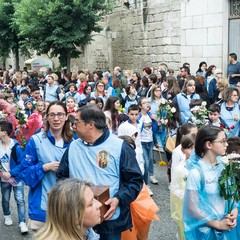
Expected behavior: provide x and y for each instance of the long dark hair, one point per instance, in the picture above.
(206, 133)
(209, 70)
(110, 106)
(200, 65)
(183, 130)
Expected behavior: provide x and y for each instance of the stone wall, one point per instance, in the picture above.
(203, 25)
(142, 33)
(145, 33)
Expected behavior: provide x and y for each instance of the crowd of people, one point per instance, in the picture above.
(104, 128)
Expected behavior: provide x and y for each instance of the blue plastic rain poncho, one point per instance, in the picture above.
(202, 201)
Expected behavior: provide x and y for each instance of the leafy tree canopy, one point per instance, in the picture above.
(59, 26)
(8, 32)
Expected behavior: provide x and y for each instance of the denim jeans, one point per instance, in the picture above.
(110, 236)
(6, 189)
(160, 139)
(148, 160)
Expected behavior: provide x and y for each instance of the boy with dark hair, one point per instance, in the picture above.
(133, 114)
(24, 94)
(10, 156)
(35, 93)
(214, 116)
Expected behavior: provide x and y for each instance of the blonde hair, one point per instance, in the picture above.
(186, 84)
(74, 75)
(82, 77)
(65, 211)
(128, 73)
(70, 97)
(222, 83)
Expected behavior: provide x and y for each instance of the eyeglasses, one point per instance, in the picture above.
(219, 73)
(77, 121)
(157, 90)
(224, 141)
(60, 115)
(100, 85)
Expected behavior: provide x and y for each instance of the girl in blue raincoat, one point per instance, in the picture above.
(204, 210)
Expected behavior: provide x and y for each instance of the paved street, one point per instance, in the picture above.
(164, 229)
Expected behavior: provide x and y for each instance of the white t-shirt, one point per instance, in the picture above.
(5, 154)
(146, 133)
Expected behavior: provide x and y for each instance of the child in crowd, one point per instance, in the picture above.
(131, 98)
(132, 127)
(177, 154)
(23, 96)
(10, 156)
(35, 121)
(71, 106)
(28, 103)
(99, 102)
(9, 97)
(204, 210)
(72, 92)
(35, 93)
(146, 136)
(178, 183)
(214, 116)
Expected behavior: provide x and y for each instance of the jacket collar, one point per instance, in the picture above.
(53, 141)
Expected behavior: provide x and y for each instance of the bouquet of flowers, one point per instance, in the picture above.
(165, 111)
(22, 120)
(229, 181)
(200, 115)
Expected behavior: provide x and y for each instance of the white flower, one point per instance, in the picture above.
(162, 101)
(233, 156)
(194, 118)
(204, 103)
(23, 112)
(25, 116)
(34, 102)
(195, 109)
(173, 110)
(225, 160)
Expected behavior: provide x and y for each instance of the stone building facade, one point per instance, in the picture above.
(142, 33)
(148, 32)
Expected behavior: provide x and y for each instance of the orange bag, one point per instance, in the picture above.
(143, 211)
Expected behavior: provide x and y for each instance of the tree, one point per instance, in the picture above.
(59, 27)
(9, 40)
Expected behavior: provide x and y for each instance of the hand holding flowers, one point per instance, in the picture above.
(229, 182)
